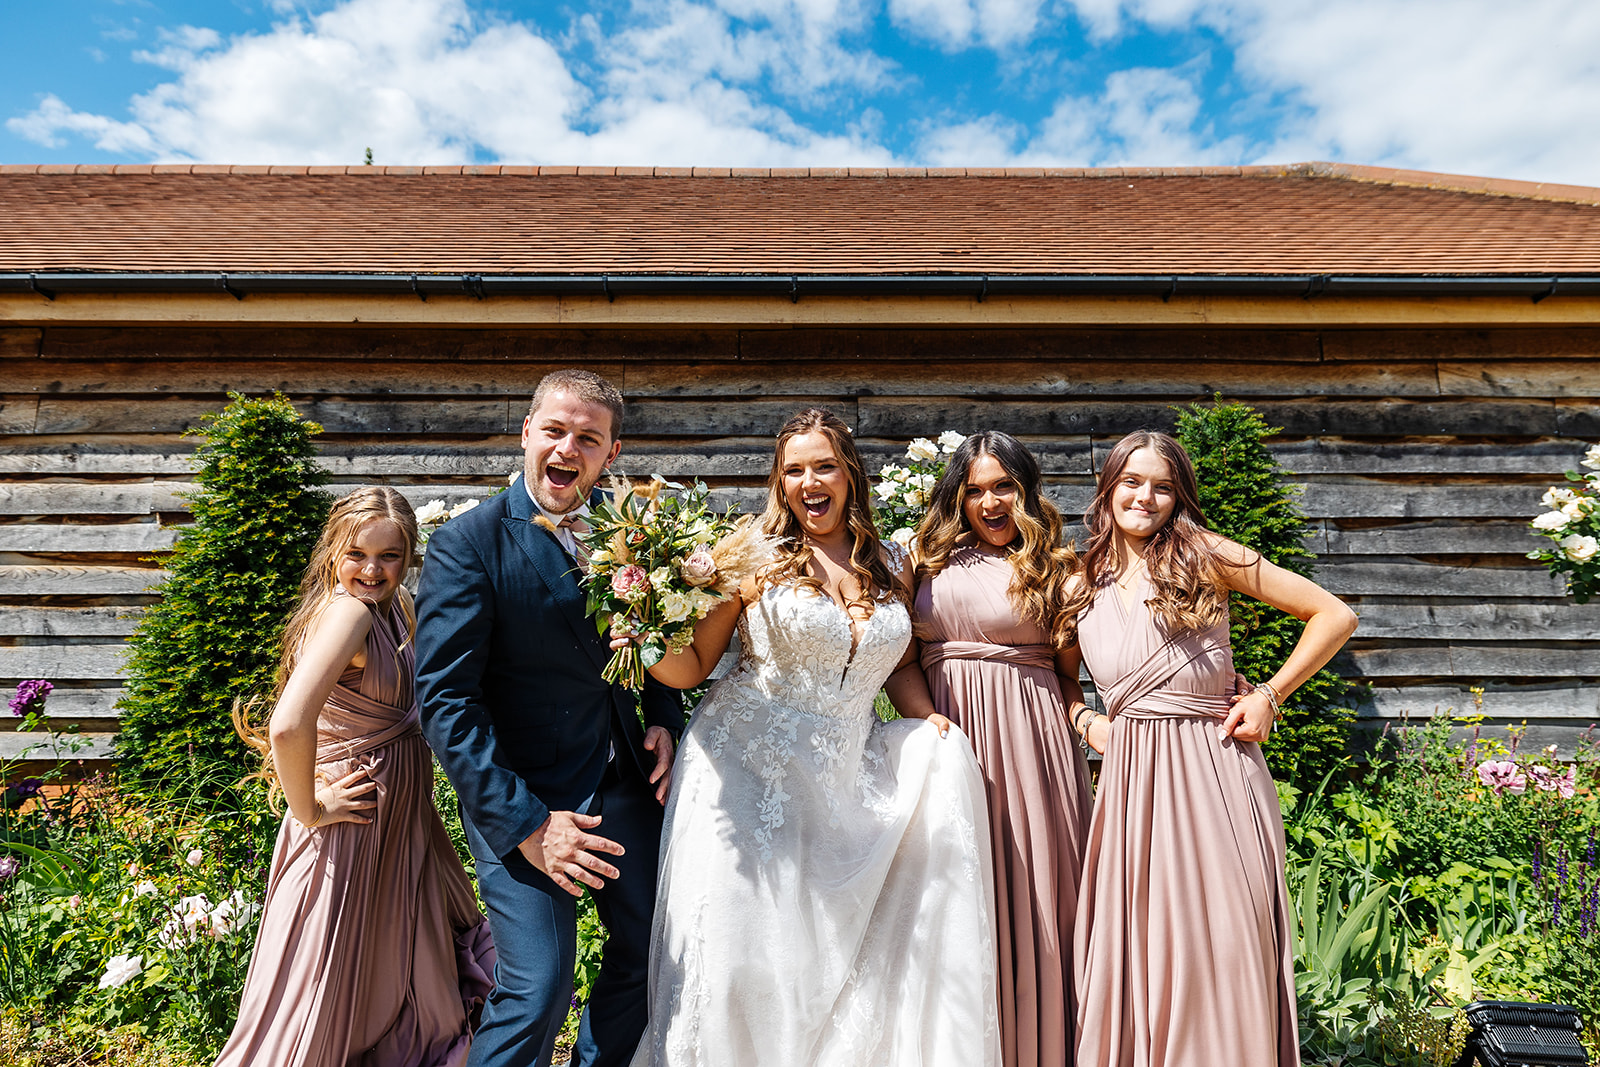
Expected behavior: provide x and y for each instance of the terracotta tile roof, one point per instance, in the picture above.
(1319, 218)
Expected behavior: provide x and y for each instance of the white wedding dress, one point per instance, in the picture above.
(825, 894)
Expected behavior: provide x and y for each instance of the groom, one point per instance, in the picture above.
(560, 787)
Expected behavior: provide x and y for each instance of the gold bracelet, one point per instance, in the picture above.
(321, 811)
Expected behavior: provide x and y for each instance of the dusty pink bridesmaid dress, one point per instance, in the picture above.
(372, 950)
(993, 674)
(1184, 956)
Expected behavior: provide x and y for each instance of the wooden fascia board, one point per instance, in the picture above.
(669, 310)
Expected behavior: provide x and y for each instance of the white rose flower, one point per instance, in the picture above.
(923, 449)
(915, 498)
(462, 508)
(903, 537)
(120, 970)
(1577, 508)
(660, 578)
(1591, 458)
(431, 512)
(675, 606)
(704, 600)
(194, 858)
(925, 482)
(884, 490)
(900, 475)
(1556, 495)
(1551, 520)
(949, 441)
(1579, 548)
(145, 889)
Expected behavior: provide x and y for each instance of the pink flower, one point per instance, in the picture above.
(698, 568)
(631, 583)
(1502, 776)
(1552, 781)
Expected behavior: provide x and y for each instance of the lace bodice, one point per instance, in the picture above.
(796, 648)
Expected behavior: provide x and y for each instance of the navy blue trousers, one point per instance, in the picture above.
(534, 923)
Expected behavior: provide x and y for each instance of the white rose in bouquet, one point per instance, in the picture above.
(923, 449)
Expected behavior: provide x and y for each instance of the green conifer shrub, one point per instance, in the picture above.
(234, 580)
(1245, 497)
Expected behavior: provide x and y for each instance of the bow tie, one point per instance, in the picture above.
(576, 527)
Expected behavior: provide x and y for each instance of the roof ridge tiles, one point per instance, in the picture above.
(1373, 175)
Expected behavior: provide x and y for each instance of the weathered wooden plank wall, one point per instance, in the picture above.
(1423, 454)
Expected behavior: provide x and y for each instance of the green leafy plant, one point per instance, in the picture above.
(903, 489)
(1246, 496)
(235, 578)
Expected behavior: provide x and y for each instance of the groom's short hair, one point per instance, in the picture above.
(583, 385)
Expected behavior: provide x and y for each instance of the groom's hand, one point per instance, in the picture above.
(564, 851)
(659, 741)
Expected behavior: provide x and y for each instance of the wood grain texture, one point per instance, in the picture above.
(1511, 702)
(1472, 661)
(26, 621)
(1555, 620)
(1531, 343)
(21, 343)
(68, 662)
(121, 537)
(1365, 576)
(84, 746)
(31, 581)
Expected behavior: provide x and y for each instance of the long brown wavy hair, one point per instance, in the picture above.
(874, 580)
(345, 520)
(1040, 566)
(1183, 567)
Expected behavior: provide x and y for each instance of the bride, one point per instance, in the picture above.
(825, 893)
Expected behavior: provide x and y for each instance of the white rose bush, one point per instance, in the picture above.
(658, 562)
(434, 514)
(903, 489)
(1572, 523)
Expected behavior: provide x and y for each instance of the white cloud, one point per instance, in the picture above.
(955, 24)
(418, 80)
(47, 123)
(1469, 86)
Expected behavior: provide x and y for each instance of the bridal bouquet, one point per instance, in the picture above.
(1573, 523)
(658, 563)
(903, 490)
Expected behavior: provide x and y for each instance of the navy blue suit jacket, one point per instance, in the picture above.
(508, 674)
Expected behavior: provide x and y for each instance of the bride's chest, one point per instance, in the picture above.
(810, 638)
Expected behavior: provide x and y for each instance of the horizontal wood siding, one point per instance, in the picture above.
(1422, 454)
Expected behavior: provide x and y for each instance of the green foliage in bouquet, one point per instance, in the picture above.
(1573, 523)
(235, 579)
(657, 564)
(1246, 497)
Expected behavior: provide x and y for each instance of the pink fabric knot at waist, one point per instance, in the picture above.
(1174, 704)
(1042, 656)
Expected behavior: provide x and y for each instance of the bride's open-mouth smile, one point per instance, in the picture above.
(816, 504)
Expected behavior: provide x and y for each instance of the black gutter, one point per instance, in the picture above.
(795, 286)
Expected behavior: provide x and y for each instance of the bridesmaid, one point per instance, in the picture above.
(372, 949)
(990, 589)
(1183, 944)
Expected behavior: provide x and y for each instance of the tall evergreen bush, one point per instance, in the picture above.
(235, 578)
(1245, 497)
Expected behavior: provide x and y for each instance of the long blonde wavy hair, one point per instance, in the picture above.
(346, 519)
(1040, 566)
(875, 582)
(1183, 568)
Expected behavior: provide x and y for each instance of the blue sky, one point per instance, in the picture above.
(1465, 86)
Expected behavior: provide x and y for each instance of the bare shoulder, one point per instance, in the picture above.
(340, 617)
(1230, 554)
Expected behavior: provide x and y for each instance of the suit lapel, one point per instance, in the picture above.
(559, 573)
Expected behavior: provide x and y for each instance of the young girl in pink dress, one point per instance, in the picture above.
(1183, 943)
(372, 949)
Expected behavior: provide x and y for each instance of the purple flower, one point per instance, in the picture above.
(1502, 776)
(8, 867)
(30, 696)
(1538, 859)
(1550, 780)
(1561, 866)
